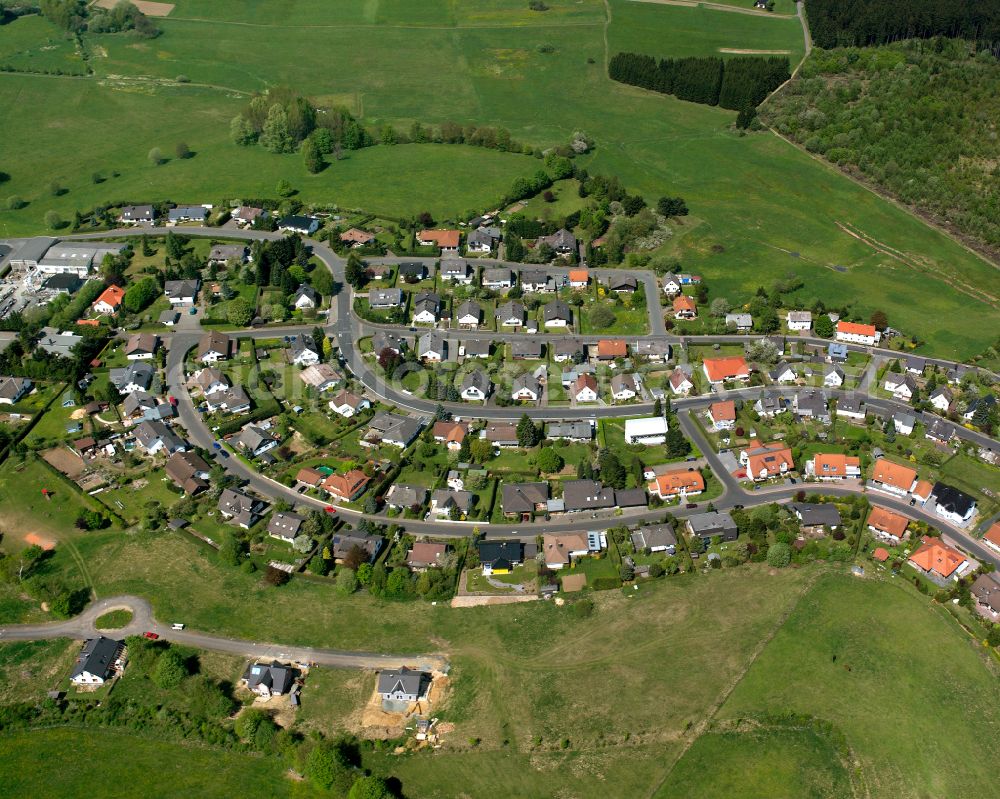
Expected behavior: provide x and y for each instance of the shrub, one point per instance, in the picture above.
(779, 555)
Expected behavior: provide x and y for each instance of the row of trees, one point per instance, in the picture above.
(75, 16)
(736, 83)
(837, 23)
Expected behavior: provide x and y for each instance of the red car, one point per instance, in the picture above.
(150, 636)
(330, 509)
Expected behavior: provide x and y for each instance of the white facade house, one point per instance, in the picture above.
(651, 430)
(854, 333)
(799, 320)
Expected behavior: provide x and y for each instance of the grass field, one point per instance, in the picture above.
(32, 44)
(28, 669)
(759, 207)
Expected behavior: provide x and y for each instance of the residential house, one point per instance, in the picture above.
(392, 429)
(501, 434)
(938, 560)
(308, 477)
(320, 376)
(951, 504)
(189, 471)
(305, 298)
(403, 496)
(447, 240)
(769, 404)
(210, 380)
(922, 491)
(404, 685)
(850, 407)
(986, 590)
(712, 524)
(384, 299)
(677, 484)
(383, 341)
(187, 213)
(254, 441)
(903, 423)
(940, 432)
(137, 404)
(100, 659)
(556, 314)
(523, 500)
(799, 320)
(109, 301)
(469, 314)
(987, 401)
(527, 349)
(763, 462)
(718, 370)
(893, 478)
(456, 270)
(610, 348)
(578, 278)
(137, 376)
(475, 386)
(833, 466)
(269, 679)
(213, 347)
(304, 351)
(585, 388)
(685, 307)
(655, 538)
(446, 502)
(450, 433)
(561, 550)
(240, 508)
(356, 548)
(655, 351)
(833, 376)
(741, 321)
(723, 414)
(625, 387)
(285, 526)
(526, 388)
(836, 352)
(942, 398)
(498, 278)
(222, 254)
(854, 333)
(510, 314)
(581, 430)
(680, 382)
(247, 215)
(811, 405)
(303, 225)
(622, 284)
(992, 537)
(537, 281)
(648, 430)
(477, 348)
(783, 373)
(568, 349)
(181, 292)
(432, 346)
(169, 318)
(580, 495)
(137, 215)
(915, 365)
(412, 271)
(230, 400)
(902, 386)
(816, 518)
(141, 346)
(13, 388)
(346, 487)
(426, 554)
(671, 285)
(426, 308)
(562, 242)
(355, 237)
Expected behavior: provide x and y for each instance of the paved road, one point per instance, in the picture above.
(82, 626)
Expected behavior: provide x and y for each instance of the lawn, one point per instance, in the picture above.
(33, 44)
(759, 207)
(72, 763)
(28, 669)
(113, 620)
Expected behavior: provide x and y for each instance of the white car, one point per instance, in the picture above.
(176, 626)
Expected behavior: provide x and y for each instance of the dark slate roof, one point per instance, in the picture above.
(97, 657)
(276, 676)
(406, 680)
(656, 535)
(630, 497)
(952, 500)
(587, 495)
(825, 513)
(522, 497)
(492, 551)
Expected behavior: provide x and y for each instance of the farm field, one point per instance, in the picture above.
(760, 208)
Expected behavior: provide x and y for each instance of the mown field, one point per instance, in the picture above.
(760, 208)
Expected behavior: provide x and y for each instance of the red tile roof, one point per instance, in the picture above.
(855, 329)
(937, 556)
(443, 238)
(719, 369)
(893, 474)
(887, 521)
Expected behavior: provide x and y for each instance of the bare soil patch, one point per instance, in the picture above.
(69, 463)
(33, 539)
(148, 8)
(740, 51)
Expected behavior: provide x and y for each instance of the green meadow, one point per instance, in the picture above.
(760, 208)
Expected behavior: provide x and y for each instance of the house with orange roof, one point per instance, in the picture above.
(585, 388)
(677, 484)
(110, 301)
(922, 491)
(833, 466)
(887, 525)
(893, 478)
(685, 307)
(881, 554)
(346, 487)
(992, 537)
(356, 237)
(855, 333)
(451, 434)
(610, 348)
(718, 370)
(767, 461)
(723, 414)
(938, 560)
(447, 240)
(579, 278)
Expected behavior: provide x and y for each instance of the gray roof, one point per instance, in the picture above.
(587, 495)
(149, 432)
(654, 536)
(403, 681)
(986, 590)
(251, 438)
(446, 498)
(180, 288)
(579, 429)
(97, 657)
(712, 523)
(824, 513)
(534, 277)
(276, 676)
(138, 401)
(236, 503)
(426, 301)
(477, 378)
(648, 348)
(431, 342)
(567, 346)
(302, 345)
(561, 239)
(522, 497)
(511, 310)
(139, 373)
(285, 525)
(226, 252)
(187, 212)
(527, 348)
(904, 419)
(498, 274)
(403, 495)
(477, 347)
(556, 309)
(305, 290)
(528, 381)
(393, 427)
(385, 297)
(469, 308)
(480, 237)
(452, 267)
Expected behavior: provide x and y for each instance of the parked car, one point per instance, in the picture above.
(150, 635)
(177, 626)
(691, 505)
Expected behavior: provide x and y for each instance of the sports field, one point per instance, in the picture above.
(760, 208)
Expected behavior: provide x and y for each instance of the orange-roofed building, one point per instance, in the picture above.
(893, 478)
(992, 537)
(937, 559)
(723, 414)
(880, 554)
(610, 348)
(767, 461)
(855, 333)
(346, 487)
(680, 483)
(833, 466)
(110, 301)
(579, 278)
(718, 370)
(356, 237)
(447, 240)
(887, 525)
(88, 322)
(922, 491)
(685, 307)
(452, 434)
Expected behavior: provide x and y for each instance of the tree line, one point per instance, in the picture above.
(860, 23)
(75, 16)
(735, 83)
